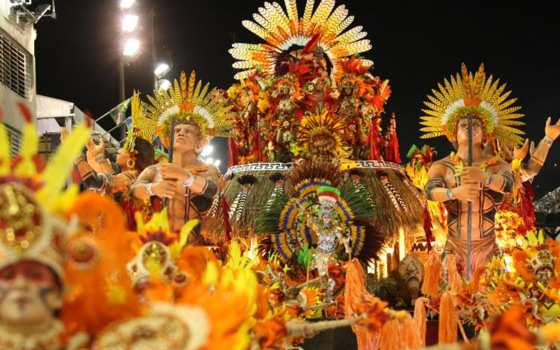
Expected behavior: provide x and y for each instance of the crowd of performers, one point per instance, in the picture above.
(316, 225)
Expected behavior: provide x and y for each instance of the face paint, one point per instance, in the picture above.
(29, 294)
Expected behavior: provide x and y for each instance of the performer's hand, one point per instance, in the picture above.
(95, 149)
(121, 183)
(94, 152)
(552, 131)
(467, 192)
(521, 153)
(164, 189)
(473, 174)
(174, 172)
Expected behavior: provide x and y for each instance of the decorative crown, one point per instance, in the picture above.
(472, 94)
(188, 101)
(158, 249)
(281, 30)
(32, 192)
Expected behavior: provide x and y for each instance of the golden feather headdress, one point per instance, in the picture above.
(158, 249)
(280, 30)
(143, 126)
(478, 95)
(31, 195)
(188, 100)
(323, 134)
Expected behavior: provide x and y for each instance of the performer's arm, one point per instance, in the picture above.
(437, 189)
(142, 187)
(206, 186)
(121, 182)
(145, 186)
(104, 166)
(538, 157)
(91, 179)
(95, 156)
(501, 182)
(203, 189)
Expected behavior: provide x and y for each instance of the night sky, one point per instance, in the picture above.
(415, 45)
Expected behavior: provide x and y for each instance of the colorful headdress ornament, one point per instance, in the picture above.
(283, 29)
(322, 135)
(159, 250)
(188, 101)
(143, 126)
(328, 193)
(468, 94)
(31, 193)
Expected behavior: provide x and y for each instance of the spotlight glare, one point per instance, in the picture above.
(126, 4)
(161, 69)
(131, 47)
(207, 150)
(164, 85)
(129, 23)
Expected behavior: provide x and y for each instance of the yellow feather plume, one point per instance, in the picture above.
(280, 29)
(57, 170)
(472, 94)
(5, 157)
(30, 145)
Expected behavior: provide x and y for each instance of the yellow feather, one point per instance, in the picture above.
(30, 144)
(66, 199)
(210, 277)
(308, 11)
(58, 168)
(186, 230)
(5, 158)
(190, 86)
(291, 6)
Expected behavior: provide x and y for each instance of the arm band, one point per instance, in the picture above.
(436, 182)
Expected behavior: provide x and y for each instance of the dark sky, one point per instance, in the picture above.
(415, 44)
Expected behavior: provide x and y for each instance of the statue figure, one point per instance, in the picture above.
(470, 109)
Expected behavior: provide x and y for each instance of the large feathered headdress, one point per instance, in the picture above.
(188, 101)
(472, 94)
(283, 29)
(32, 193)
(143, 125)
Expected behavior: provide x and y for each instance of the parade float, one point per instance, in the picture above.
(307, 141)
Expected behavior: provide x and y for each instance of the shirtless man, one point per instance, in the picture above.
(483, 185)
(188, 184)
(483, 102)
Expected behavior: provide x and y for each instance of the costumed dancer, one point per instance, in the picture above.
(97, 172)
(331, 232)
(468, 109)
(32, 239)
(186, 116)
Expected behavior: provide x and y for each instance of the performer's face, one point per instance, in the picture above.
(410, 270)
(187, 138)
(122, 158)
(29, 294)
(463, 133)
